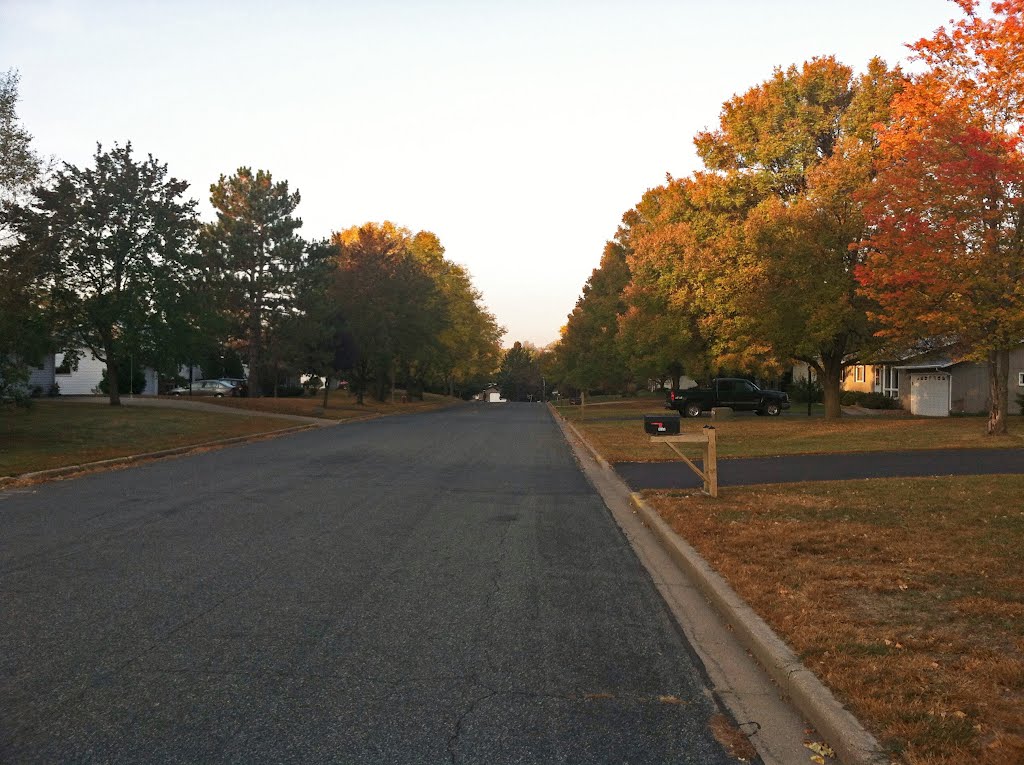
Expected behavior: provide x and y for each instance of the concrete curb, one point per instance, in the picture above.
(844, 733)
(42, 475)
(852, 743)
(593, 452)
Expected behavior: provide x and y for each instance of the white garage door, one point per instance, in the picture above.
(929, 394)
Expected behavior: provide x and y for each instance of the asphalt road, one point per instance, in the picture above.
(435, 588)
(826, 467)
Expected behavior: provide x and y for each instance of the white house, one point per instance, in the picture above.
(41, 378)
(85, 379)
(493, 396)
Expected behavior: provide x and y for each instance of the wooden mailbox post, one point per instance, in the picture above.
(707, 437)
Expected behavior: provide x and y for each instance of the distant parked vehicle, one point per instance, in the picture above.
(732, 392)
(216, 388)
(239, 382)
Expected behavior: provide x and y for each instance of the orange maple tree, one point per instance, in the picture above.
(946, 245)
(777, 215)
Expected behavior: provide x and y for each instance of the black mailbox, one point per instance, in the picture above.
(661, 424)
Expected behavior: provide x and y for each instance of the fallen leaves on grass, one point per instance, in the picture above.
(904, 596)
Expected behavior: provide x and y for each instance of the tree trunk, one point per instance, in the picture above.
(113, 383)
(832, 384)
(327, 389)
(255, 341)
(675, 371)
(998, 376)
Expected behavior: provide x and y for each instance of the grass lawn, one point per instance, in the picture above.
(616, 430)
(58, 433)
(906, 597)
(341, 405)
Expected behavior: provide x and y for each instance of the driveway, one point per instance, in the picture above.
(442, 587)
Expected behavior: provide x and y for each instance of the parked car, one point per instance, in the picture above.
(733, 392)
(239, 382)
(217, 388)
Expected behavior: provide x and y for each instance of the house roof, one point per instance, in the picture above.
(937, 364)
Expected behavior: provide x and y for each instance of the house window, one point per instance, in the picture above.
(63, 365)
(858, 373)
(1020, 379)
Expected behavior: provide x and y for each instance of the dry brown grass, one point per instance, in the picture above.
(905, 596)
(54, 434)
(341, 405)
(616, 431)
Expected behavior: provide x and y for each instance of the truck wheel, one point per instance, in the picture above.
(771, 409)
(692, 409)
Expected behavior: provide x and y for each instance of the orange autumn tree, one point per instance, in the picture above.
(662, 330)
(787, 161)
(946, 244)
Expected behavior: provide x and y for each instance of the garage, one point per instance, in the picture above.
(929, 394)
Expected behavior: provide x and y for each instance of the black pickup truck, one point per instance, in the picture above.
(733, 392)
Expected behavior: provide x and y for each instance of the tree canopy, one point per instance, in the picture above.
(114, 245)
(946, 252)
(254, 250)
(24, 330)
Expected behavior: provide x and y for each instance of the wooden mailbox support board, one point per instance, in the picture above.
(707, 437)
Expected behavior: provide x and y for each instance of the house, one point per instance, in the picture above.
(84, 380)
(685, 382)
(493, 396)
(936, 384)
(881, 377)
(41, 378)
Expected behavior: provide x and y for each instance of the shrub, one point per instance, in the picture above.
(868, 400)
(801, 389)
(136, 384)
(875, 400)
(1020, 402)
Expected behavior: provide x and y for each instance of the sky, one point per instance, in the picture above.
(519, 131)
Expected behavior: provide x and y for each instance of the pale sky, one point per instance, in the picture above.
(519, 132)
